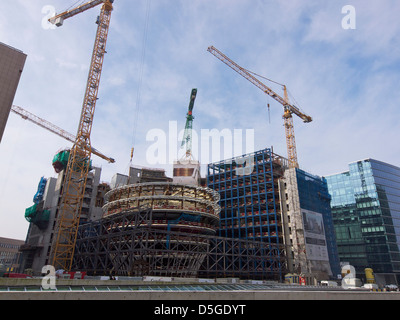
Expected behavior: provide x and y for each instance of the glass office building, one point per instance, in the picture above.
(366, 213)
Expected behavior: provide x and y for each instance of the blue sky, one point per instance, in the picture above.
(347, 80)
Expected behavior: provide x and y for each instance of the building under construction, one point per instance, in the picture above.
(158, 228)
(43, 213)
(155, 225)
(264, 200)
(164, 229)
(173, 229)
(257, 219)
(250, 207)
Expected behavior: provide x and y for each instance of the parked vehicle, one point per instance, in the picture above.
(391, 287)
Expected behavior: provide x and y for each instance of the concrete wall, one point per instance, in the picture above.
(292, 293)
(209, 295)
(12, 63)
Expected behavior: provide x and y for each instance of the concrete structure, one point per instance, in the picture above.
(187, 172)
(9, 254)
(37, 247)
(12, 62)
(366, 215)
(139, 175)
(240, 296)
(308, 225)
(155, 292)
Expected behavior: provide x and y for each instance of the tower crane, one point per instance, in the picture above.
(289, 109)
(26, 115)
(76, 172)
(187, 137)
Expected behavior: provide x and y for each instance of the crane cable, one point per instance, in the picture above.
(140, 82)
(280, 84)
(264, 78)
(75, 5)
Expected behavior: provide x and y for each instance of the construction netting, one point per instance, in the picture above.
(60, 160)
(30, 213)
(40, 192)
(39, 218)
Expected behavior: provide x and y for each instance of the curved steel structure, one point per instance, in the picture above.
(167, 229)
(160, 228)
(175, 207)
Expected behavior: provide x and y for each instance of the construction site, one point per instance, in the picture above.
(256, 219)
(233, 222)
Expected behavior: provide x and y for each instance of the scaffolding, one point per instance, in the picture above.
(250, 207)
(128, 244)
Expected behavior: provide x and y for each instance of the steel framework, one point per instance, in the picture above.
(250, 207)
(126, 244)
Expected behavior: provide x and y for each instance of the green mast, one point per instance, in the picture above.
(187, 137)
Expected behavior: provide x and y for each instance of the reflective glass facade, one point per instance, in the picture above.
(366, 213)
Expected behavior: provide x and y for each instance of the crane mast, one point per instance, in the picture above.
(187, 137)
(289, 109)
(78, 167)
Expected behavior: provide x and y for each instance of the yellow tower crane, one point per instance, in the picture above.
(26, 115)
(76, 173)
(289, 108)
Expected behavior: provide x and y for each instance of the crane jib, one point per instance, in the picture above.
(288, 108)
(59, 19)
